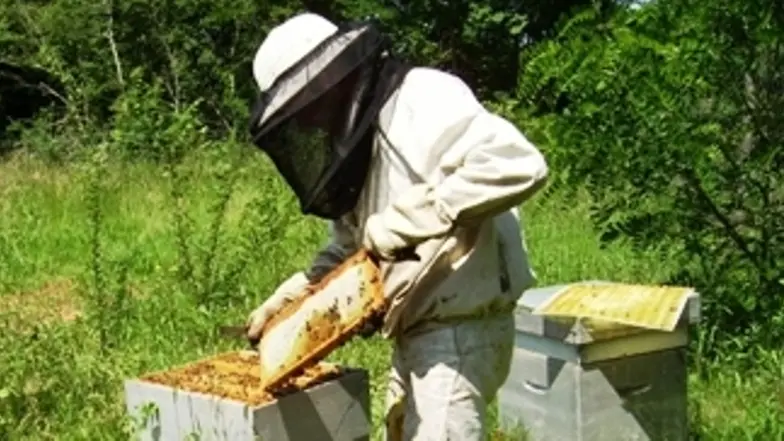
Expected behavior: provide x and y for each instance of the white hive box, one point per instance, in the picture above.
(221, 399)
(588, 381)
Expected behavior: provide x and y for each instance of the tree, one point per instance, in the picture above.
(668, 116)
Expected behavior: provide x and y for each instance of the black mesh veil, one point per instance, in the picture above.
(316, 122)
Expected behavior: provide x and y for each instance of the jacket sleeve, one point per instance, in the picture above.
(488, 167)
(341, 245)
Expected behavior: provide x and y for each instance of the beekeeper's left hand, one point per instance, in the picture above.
(288, 291)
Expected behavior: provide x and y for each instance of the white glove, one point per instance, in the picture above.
(288, 291)
(379, 240)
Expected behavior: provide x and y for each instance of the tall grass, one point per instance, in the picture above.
(155, 258)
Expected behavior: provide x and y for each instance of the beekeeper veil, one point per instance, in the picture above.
(322, 87)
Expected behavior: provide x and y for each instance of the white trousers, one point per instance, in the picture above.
(441, 382)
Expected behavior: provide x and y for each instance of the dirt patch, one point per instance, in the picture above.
(56, 300)
(237, 376)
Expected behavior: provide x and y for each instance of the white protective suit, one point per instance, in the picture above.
(447, 175)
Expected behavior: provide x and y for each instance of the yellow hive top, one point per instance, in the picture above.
(607, 305)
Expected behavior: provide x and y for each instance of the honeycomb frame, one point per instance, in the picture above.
(320, 342)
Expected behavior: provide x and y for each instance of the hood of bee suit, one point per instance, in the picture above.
(321, 87)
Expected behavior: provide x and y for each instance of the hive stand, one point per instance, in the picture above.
(337, 410)
(570, 381)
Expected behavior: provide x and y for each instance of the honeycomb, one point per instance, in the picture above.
(307, 330)
(236, 376)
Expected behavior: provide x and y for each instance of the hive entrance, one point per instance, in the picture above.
(236, 376)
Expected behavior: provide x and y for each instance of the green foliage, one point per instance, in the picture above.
(146, 126)
(666, 116)
(198, 53)
(633, 105)
(665, 121)
(63, 379)
(478, 40)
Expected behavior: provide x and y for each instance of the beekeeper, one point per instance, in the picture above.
(399, 157)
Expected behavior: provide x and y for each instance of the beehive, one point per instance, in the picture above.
(307, 330)
(588, 379)
(221, 398)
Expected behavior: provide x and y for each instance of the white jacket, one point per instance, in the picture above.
(447, 170)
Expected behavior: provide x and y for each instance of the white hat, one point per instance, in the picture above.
(287, 43)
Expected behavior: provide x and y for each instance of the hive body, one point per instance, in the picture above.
(592, 381)
(221, 399)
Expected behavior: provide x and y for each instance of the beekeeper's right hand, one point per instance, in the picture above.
(288, 291)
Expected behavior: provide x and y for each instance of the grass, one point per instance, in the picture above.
(106, 276)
